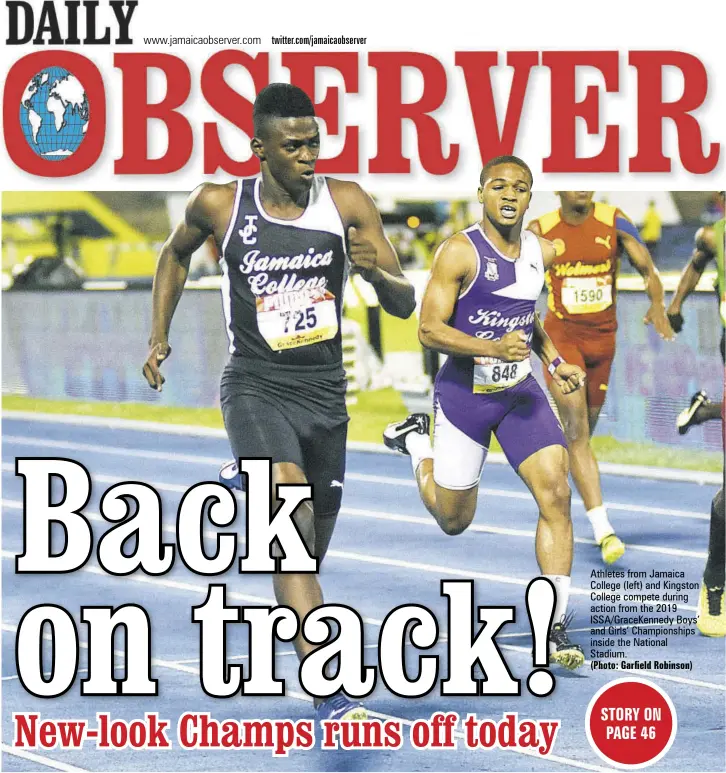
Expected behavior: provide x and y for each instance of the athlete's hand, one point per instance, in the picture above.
(512, 347)
(657, 317)
(675, 318)
(569, 378)
(362, 254)
(157, 354)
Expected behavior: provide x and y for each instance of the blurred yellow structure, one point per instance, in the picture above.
(99, 240)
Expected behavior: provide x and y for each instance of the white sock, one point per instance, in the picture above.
(562, 594)
(601, 526)
(419, 446)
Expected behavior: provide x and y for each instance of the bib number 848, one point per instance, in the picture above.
(504, 372)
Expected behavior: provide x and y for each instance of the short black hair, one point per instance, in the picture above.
(281, 100)
(497, 160)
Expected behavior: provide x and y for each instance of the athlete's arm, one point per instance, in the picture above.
(535, 228)
(170, 277)
(454, 267)
(548, 249)
(703, 253)
(370, 251)
(568, 377)
(639, 257)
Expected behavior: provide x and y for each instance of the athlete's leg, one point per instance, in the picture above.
(599, 353)
(698, 412)
(545, 473)
(324, 453)
(300, 592)
(323, 449)
(447, 475)
(453, 510)
(709, 412)
(711, 608)
(574, 410)
(535, 446)
(257, 428)
(701, 408)
(593, 414)
(574, 415)
(577, 421)
(579, 412)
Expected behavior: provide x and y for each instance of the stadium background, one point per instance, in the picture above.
(74, 339)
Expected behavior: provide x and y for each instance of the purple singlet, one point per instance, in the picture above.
(488, 395)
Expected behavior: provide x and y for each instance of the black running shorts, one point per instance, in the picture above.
(290, 414)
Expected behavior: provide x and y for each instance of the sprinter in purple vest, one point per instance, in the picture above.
(479, 310)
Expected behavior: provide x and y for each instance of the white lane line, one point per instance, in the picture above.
(176, 665)
(41, 760)
(12, 628)
(654, 674)
(216, 462)
(96, 477)
(112, 451)
(423, 521)
(184, 586)
(46, 675)
(204, 589)
(365, 558)
(502, 530)
(607, 468)
(523, 495)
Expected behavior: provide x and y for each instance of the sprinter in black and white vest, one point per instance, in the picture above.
(287, 240)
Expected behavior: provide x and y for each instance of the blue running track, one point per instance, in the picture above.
(386, 551)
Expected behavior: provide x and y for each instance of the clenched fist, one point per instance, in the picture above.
(362, 254)
(512, 347)
(569, 378)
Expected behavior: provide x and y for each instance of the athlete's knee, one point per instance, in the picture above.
(556, 498)
(304, 519)
(454, 525)
(554, 495)
(305, 522)
(454, 517)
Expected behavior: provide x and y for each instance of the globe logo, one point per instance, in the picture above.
(54, 113)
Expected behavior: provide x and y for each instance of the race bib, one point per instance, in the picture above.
(289, 320)
(587, 294)
(493, 375)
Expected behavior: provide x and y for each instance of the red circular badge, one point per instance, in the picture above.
(631, 723)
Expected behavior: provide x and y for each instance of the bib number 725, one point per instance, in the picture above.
(301, 319)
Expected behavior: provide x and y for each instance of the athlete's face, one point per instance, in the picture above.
(290, 147)
(505, 194)
(579, 200)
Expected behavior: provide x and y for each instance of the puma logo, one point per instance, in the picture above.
(336, 484)
(605, 242)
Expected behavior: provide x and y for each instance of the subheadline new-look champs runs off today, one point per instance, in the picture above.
(335, 434)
